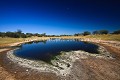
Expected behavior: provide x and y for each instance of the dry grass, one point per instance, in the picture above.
(10, 40)
(110, 37)
(102, 37)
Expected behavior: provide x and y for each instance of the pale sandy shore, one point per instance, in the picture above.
(62, 66)
(5, 49)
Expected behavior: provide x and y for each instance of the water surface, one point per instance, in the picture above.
(46, 50)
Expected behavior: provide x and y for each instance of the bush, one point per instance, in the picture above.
(116, 32)
(96, 32)
(86, 33)
(103, 31)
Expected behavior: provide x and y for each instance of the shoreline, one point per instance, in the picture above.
(59, 66)
(105, 45)
(22, 42)
(115, 44)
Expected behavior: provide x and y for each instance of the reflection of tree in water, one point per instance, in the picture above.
(29, 42)
(77, 40)
(36, 42)
(44, 41)
(52, 38)
(46, 53)
(85, 42)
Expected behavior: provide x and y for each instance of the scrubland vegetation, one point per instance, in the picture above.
(18, 36)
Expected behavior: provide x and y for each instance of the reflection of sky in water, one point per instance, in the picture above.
(47, 49)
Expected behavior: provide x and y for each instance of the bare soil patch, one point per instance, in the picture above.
(83, 69)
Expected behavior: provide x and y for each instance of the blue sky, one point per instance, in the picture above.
(59, 16)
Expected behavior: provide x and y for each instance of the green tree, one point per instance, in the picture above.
(29, 34)
(44, 34)
(116, 32)
(19, 31)
(96, 32)
(23, 35)
(36, 34)
(77, 34)
(104, 31)
(86, 33)
(2, 34)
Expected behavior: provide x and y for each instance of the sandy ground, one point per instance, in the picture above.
(83, 69)
(5, 49)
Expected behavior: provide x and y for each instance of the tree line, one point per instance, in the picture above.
(20, 34)
(100, 32)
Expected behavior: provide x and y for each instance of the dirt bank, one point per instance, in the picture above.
(83, 69)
